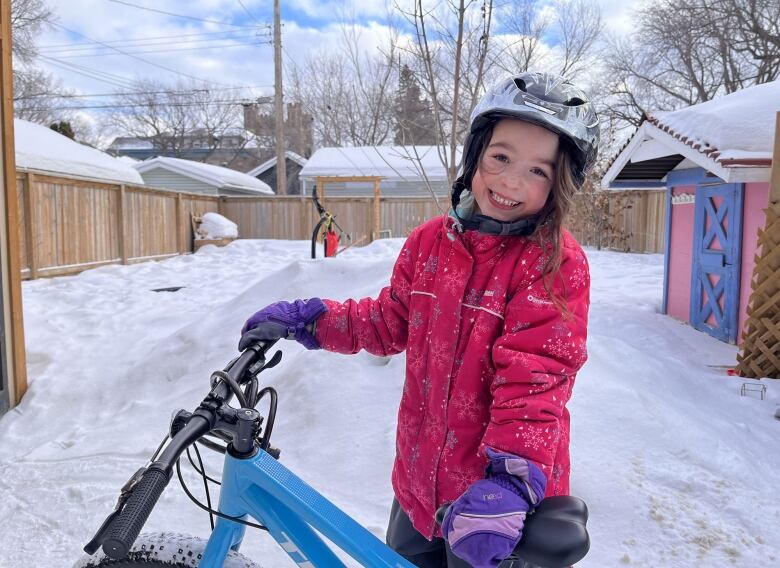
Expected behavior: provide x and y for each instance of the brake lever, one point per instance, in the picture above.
(97, 540)
(261, 364)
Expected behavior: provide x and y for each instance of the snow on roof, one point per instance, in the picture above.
(736, 129)
(41, 148)
(389, 162)
(130, 143)
(297, 158)
(207, 173)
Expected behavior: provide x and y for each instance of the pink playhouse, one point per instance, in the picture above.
(714, 160)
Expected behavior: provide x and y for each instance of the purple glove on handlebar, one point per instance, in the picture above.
(284, 320)
(484, 525)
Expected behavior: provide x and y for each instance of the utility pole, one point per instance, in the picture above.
(281, 161)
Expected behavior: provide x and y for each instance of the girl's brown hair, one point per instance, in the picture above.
(552, 218)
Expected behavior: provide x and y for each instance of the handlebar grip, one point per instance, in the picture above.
(125, 528)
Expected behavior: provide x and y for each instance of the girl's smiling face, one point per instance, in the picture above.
(516, 172)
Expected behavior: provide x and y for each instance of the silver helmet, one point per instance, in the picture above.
(549, 101)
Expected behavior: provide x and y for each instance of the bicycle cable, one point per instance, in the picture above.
(205, 481)
(209, 509)
(223, 376)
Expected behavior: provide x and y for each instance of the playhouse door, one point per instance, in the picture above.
(717, 245)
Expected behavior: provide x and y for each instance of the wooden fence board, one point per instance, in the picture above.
(68, 225)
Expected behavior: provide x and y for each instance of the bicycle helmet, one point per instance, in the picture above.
(544, 99)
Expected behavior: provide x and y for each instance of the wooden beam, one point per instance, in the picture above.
(347, 179)
(179, 225)
(120, 224)
(774, 180)
(29, 233)
(13, 322)
(377, 209)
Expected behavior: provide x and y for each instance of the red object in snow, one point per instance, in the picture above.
(331, 243)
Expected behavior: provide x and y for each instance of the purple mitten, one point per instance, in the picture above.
(284, 320)
(484, 525)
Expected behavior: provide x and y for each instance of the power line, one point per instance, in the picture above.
(250, 13)
(135, 56)
(153, 38)
(63, 48)
(94, 95)
(204, 47)
(136, 105)
(101, 76)
(179, 15)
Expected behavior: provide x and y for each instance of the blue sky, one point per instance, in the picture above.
(207, 47)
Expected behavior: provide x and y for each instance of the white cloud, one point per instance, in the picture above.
(244, 65)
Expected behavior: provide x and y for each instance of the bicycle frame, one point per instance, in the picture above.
(264, 489)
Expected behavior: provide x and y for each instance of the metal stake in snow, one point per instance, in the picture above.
(759, 356)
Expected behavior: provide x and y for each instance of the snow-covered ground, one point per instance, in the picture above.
(678, 469)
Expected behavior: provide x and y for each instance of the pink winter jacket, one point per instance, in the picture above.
(490, 360)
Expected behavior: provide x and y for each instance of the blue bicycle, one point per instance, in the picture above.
(255, 484)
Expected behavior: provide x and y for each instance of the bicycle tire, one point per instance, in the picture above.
(163, 550)
(315, 237)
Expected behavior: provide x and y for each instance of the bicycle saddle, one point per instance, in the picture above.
(555, 536)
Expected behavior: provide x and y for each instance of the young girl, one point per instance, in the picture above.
(490, 304)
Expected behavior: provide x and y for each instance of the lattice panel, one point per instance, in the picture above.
(760, 354)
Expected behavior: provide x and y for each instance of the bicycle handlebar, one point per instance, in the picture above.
(124, 526)
(128, 524)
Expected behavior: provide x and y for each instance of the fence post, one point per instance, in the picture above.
(304, 219)
(29, 233)
(179, 225)
(120, 223)
(377, 210)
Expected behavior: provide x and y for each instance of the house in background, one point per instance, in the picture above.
(234, 148)
(403, 169)
(266, 172)
(41, 149)
(714, 161)
(196, 177)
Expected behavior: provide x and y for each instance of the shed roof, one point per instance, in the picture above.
(268, 164)
(41, 148)
(216, 176)
(731, 136)
(389, 162)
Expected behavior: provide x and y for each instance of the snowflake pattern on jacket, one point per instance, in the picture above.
(490, 360)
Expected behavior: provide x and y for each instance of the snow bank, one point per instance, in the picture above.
(677, 468)
(40, 148)
(215, 226)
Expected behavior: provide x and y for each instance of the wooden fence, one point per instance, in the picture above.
(628, 221)
(70, 224)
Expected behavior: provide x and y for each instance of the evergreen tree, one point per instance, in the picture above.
(64, 128)
(414, 122)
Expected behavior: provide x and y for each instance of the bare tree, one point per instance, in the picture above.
(577, 25)
(28, 17)
(520, 47)
(180, 117)
(36, 93)
(689, 51)
(449, 52)
(349, 92)
(580, 25)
